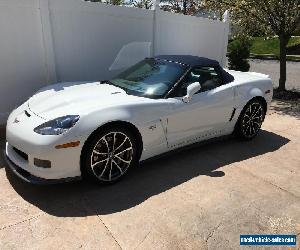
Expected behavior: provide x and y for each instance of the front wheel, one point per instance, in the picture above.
(250, 120)
(109, 155)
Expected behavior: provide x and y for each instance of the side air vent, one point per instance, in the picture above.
(27, 114)
(232, 115)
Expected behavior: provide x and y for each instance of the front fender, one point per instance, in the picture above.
(254, 92)
(152, 129)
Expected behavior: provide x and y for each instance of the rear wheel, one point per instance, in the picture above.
(250, 120)
(109, 155)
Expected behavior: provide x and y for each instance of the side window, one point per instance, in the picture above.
(208, 77)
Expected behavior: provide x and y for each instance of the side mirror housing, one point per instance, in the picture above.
(191, 90)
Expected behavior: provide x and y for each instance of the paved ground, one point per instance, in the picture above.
(271, 67)
(203, 198)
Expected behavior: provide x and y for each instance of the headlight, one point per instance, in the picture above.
(57, 126)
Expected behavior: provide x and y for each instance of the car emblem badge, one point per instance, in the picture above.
(16, 120)
(152, 127)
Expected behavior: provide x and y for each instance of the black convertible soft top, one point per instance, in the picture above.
(189, 60)
(196, 61)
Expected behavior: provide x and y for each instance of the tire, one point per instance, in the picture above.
(250, 120)
(109, 154)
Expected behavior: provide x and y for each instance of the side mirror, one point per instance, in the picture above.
(190, 91)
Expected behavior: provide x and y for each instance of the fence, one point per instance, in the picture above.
(47, 41)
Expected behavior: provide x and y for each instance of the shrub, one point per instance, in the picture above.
(294, 48)
(238, 53)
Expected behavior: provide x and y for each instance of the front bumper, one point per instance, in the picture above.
(65, 163)
(27, 177)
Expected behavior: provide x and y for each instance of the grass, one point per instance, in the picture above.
(270, 46)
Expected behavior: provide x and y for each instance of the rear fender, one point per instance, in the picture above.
(244, 94)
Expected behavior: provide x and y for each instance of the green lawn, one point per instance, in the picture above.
(271, 46)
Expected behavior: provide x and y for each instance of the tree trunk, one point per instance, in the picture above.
(283, 43)
(184, 6)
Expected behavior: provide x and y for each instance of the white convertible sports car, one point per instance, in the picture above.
(100, 129)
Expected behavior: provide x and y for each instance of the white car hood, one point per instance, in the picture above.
(76, 99)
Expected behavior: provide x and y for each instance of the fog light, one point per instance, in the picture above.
(42, 163)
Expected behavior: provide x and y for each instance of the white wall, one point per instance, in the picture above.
(46, 41)
(88, 36)
(190, 35)
(22, 64)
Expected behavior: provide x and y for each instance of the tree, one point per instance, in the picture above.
(279, 17)
(144, 4)
(186, 7)
(113, 2)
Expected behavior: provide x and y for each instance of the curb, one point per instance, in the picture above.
(274, 57)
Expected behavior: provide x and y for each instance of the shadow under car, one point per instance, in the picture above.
(146, 180)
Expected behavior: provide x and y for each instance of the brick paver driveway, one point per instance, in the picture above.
(201, 198)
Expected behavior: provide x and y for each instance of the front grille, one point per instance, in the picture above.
(22, 172)
(19, 170)
(21, 154)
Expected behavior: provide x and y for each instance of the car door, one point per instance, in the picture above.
(206, 115)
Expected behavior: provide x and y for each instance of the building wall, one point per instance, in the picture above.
(47, 41)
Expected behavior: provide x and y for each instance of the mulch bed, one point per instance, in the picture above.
(287, 95)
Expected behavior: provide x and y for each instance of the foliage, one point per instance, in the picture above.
(294, 41)
(279, 17)
(113, 2)
(144, 4)
(270, 16)
(297, 31)
(187, 7)
(238, 53)
(294, 48)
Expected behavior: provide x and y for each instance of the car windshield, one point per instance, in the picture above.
(150, 78)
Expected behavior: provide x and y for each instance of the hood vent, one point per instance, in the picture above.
(117, 92)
